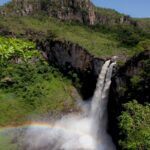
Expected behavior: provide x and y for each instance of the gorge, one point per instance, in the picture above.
(59, 78)
(87, 130)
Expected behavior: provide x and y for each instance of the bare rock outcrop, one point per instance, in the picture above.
(82, 11)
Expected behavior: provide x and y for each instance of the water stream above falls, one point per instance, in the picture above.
(87, 130)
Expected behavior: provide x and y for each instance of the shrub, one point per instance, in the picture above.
(145, 44)
(128, 36)
(12, 48)
(135, 80)
(30, 87)
(135, 126)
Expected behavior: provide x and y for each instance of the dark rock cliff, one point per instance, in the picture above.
(131, 81)
(71, 57)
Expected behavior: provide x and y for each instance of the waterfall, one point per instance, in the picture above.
(99, 104)
(100, 98)
(96, 105)
(85, 131)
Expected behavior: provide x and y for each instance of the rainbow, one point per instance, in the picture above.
(26, 125)
(42, 125)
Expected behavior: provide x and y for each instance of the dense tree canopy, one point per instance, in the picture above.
(135, 126)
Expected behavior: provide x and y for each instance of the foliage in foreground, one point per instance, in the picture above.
(135, 126)
(30, 86)
(12, 48)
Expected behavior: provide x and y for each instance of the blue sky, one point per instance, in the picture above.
(3, 1)
(134, 8)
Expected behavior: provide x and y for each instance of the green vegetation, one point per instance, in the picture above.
(140, 82)
(104, 39)
(110, 13)
(134, 120)
(16, 48)
(128, 36)
(144, 23)
(96, 41)
(145, 44)
(135, 126)
(6, 140)
(30, 86)
(135, 80)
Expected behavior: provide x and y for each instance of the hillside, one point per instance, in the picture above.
(144, 23)
(29, 86)
(99, 44)
(82, 11)
(110, 33)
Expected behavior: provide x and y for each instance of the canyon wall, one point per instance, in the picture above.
(68, 57)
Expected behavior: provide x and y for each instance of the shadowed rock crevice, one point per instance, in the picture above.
(71, 58)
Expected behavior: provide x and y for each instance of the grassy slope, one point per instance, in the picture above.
(30, 87)
(144, 24)
(14, 109)
(96, 42)
(108, 12)
(6, 140)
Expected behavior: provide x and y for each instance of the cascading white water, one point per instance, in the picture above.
(99, 106)
(74, 132)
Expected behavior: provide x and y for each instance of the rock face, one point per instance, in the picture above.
(82, 11)
(106, 19)
(77, 10)
(71, 57)
(123, 90)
